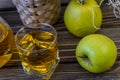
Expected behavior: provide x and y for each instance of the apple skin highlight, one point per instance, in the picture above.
(96, 53)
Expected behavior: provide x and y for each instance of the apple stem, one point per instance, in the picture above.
(82, 1)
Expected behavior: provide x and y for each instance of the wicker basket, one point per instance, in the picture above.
(34, 11)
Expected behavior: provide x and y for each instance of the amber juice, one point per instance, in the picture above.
(39, 52)
(6, 43)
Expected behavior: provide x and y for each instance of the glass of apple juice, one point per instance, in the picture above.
(38, 51)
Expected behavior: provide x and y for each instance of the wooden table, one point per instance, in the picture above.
(68, 68)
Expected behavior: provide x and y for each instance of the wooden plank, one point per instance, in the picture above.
(6, 4)
(64, 71)
(76, 72)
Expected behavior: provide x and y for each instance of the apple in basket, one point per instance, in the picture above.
(82, 17)
(96, 53)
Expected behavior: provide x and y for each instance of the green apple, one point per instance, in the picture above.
(96, 53)
(82, 17)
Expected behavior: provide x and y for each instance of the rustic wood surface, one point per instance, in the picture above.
(68, 68)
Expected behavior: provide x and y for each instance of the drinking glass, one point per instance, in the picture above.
(38, 51)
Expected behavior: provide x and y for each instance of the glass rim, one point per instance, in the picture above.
(42, 23)
(5, 25)
(4, 22)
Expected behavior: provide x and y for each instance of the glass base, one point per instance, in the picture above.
(46, 75)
